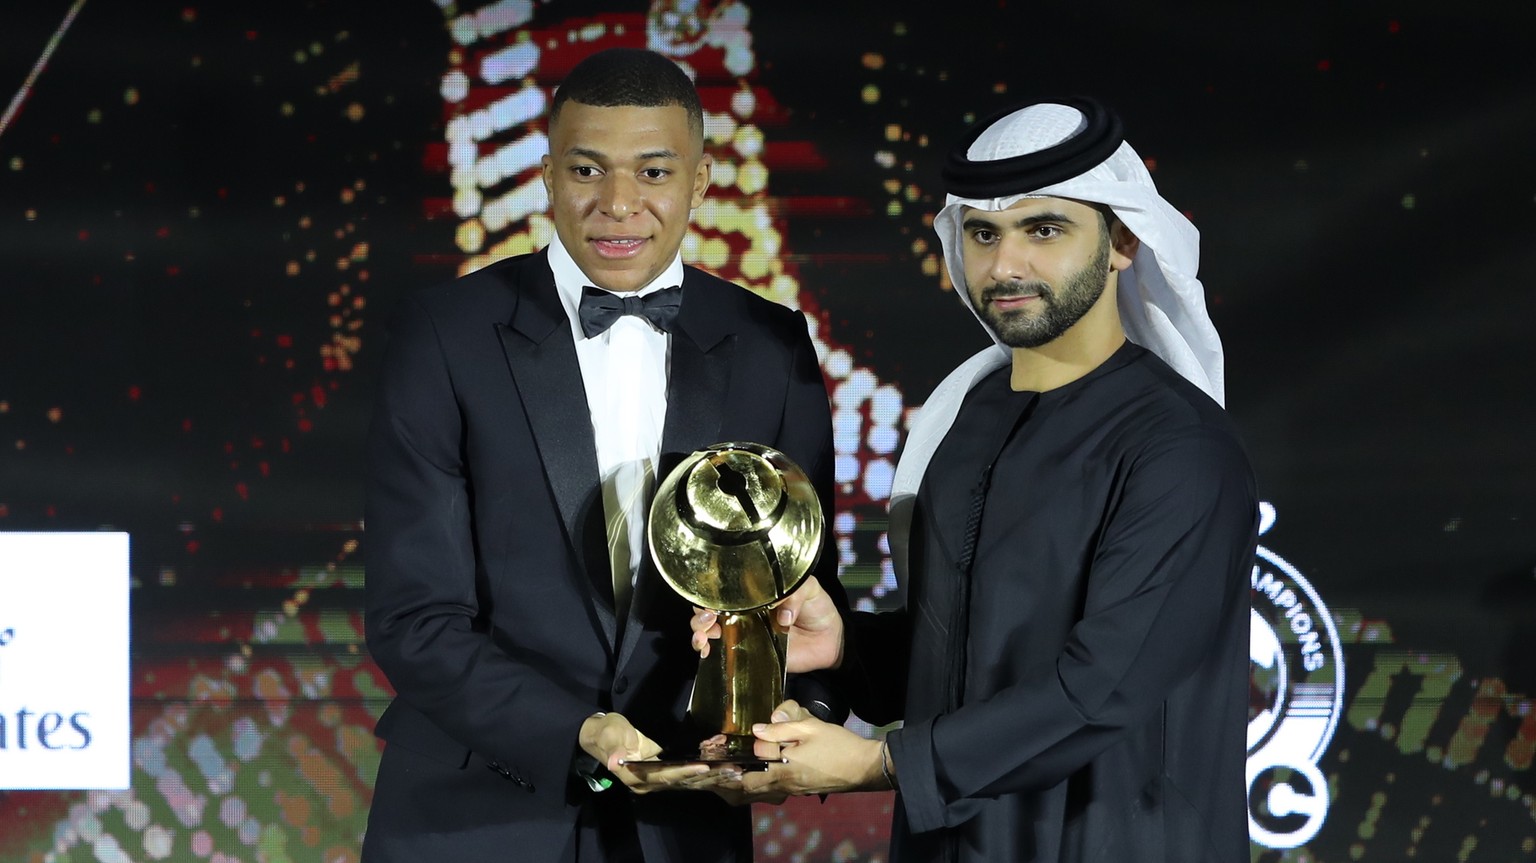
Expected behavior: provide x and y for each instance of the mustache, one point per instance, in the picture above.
(1010, 290)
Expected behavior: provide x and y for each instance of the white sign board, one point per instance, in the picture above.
(64, 721)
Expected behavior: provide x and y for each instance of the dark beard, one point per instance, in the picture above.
(1059, 309)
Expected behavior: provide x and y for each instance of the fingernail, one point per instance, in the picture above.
(780, 716)
(759, 727)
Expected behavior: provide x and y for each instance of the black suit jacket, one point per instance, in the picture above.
(488, 605)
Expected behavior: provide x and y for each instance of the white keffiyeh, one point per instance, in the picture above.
(1162, 303)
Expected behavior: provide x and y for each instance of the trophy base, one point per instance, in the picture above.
(722, 750)
(746, 764)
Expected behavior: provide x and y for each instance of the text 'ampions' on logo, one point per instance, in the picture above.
(1296, 687)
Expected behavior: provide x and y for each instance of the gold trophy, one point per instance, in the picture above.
(735, 528)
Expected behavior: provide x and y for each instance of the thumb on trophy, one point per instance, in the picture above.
(815, 628)
(706, 626)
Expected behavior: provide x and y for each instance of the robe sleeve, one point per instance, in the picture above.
(876, 654)
(1167, 579)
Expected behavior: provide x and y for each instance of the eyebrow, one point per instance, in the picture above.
(598, 156)
(973, 222)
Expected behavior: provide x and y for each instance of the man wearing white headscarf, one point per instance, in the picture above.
(1073, 525)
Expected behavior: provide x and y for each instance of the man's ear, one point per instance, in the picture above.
(1123, 246)
(701, 178)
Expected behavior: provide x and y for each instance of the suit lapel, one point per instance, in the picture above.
(541, 355)
(703, 344)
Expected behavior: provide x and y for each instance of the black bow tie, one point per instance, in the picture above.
(599, 308)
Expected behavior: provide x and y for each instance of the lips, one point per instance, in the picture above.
(1014, 296)
(618, 247)
(1014, 302)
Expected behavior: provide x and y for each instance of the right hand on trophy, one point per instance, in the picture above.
(619, 746)
(811, 618)
(814, 757)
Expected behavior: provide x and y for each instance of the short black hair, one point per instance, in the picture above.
(630, 77)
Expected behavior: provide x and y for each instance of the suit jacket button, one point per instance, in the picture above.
(620, 685)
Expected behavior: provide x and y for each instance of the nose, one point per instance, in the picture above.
(1011, 260)
(620, 197)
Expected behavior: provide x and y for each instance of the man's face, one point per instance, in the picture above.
(621, 183)
(1034, 269)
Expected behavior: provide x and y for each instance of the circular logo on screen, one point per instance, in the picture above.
(1296, 692)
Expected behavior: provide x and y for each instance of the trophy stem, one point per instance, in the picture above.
(742, 680)
(735, 637)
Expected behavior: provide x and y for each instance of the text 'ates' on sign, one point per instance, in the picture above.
(64, 721)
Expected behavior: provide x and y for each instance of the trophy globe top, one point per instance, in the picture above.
(735, 526)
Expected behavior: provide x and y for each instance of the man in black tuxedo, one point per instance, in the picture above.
(525, 413)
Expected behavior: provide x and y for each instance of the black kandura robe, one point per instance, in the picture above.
(1082, 695)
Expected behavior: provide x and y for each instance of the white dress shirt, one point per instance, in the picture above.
(624, 370)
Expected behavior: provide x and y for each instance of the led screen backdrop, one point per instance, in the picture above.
(207, 211)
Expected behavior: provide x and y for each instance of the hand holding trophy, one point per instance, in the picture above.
(734, 529)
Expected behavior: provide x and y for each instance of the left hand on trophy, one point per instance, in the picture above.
(817, 757)
(815, 628)
(619, 745)
(809, 616)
